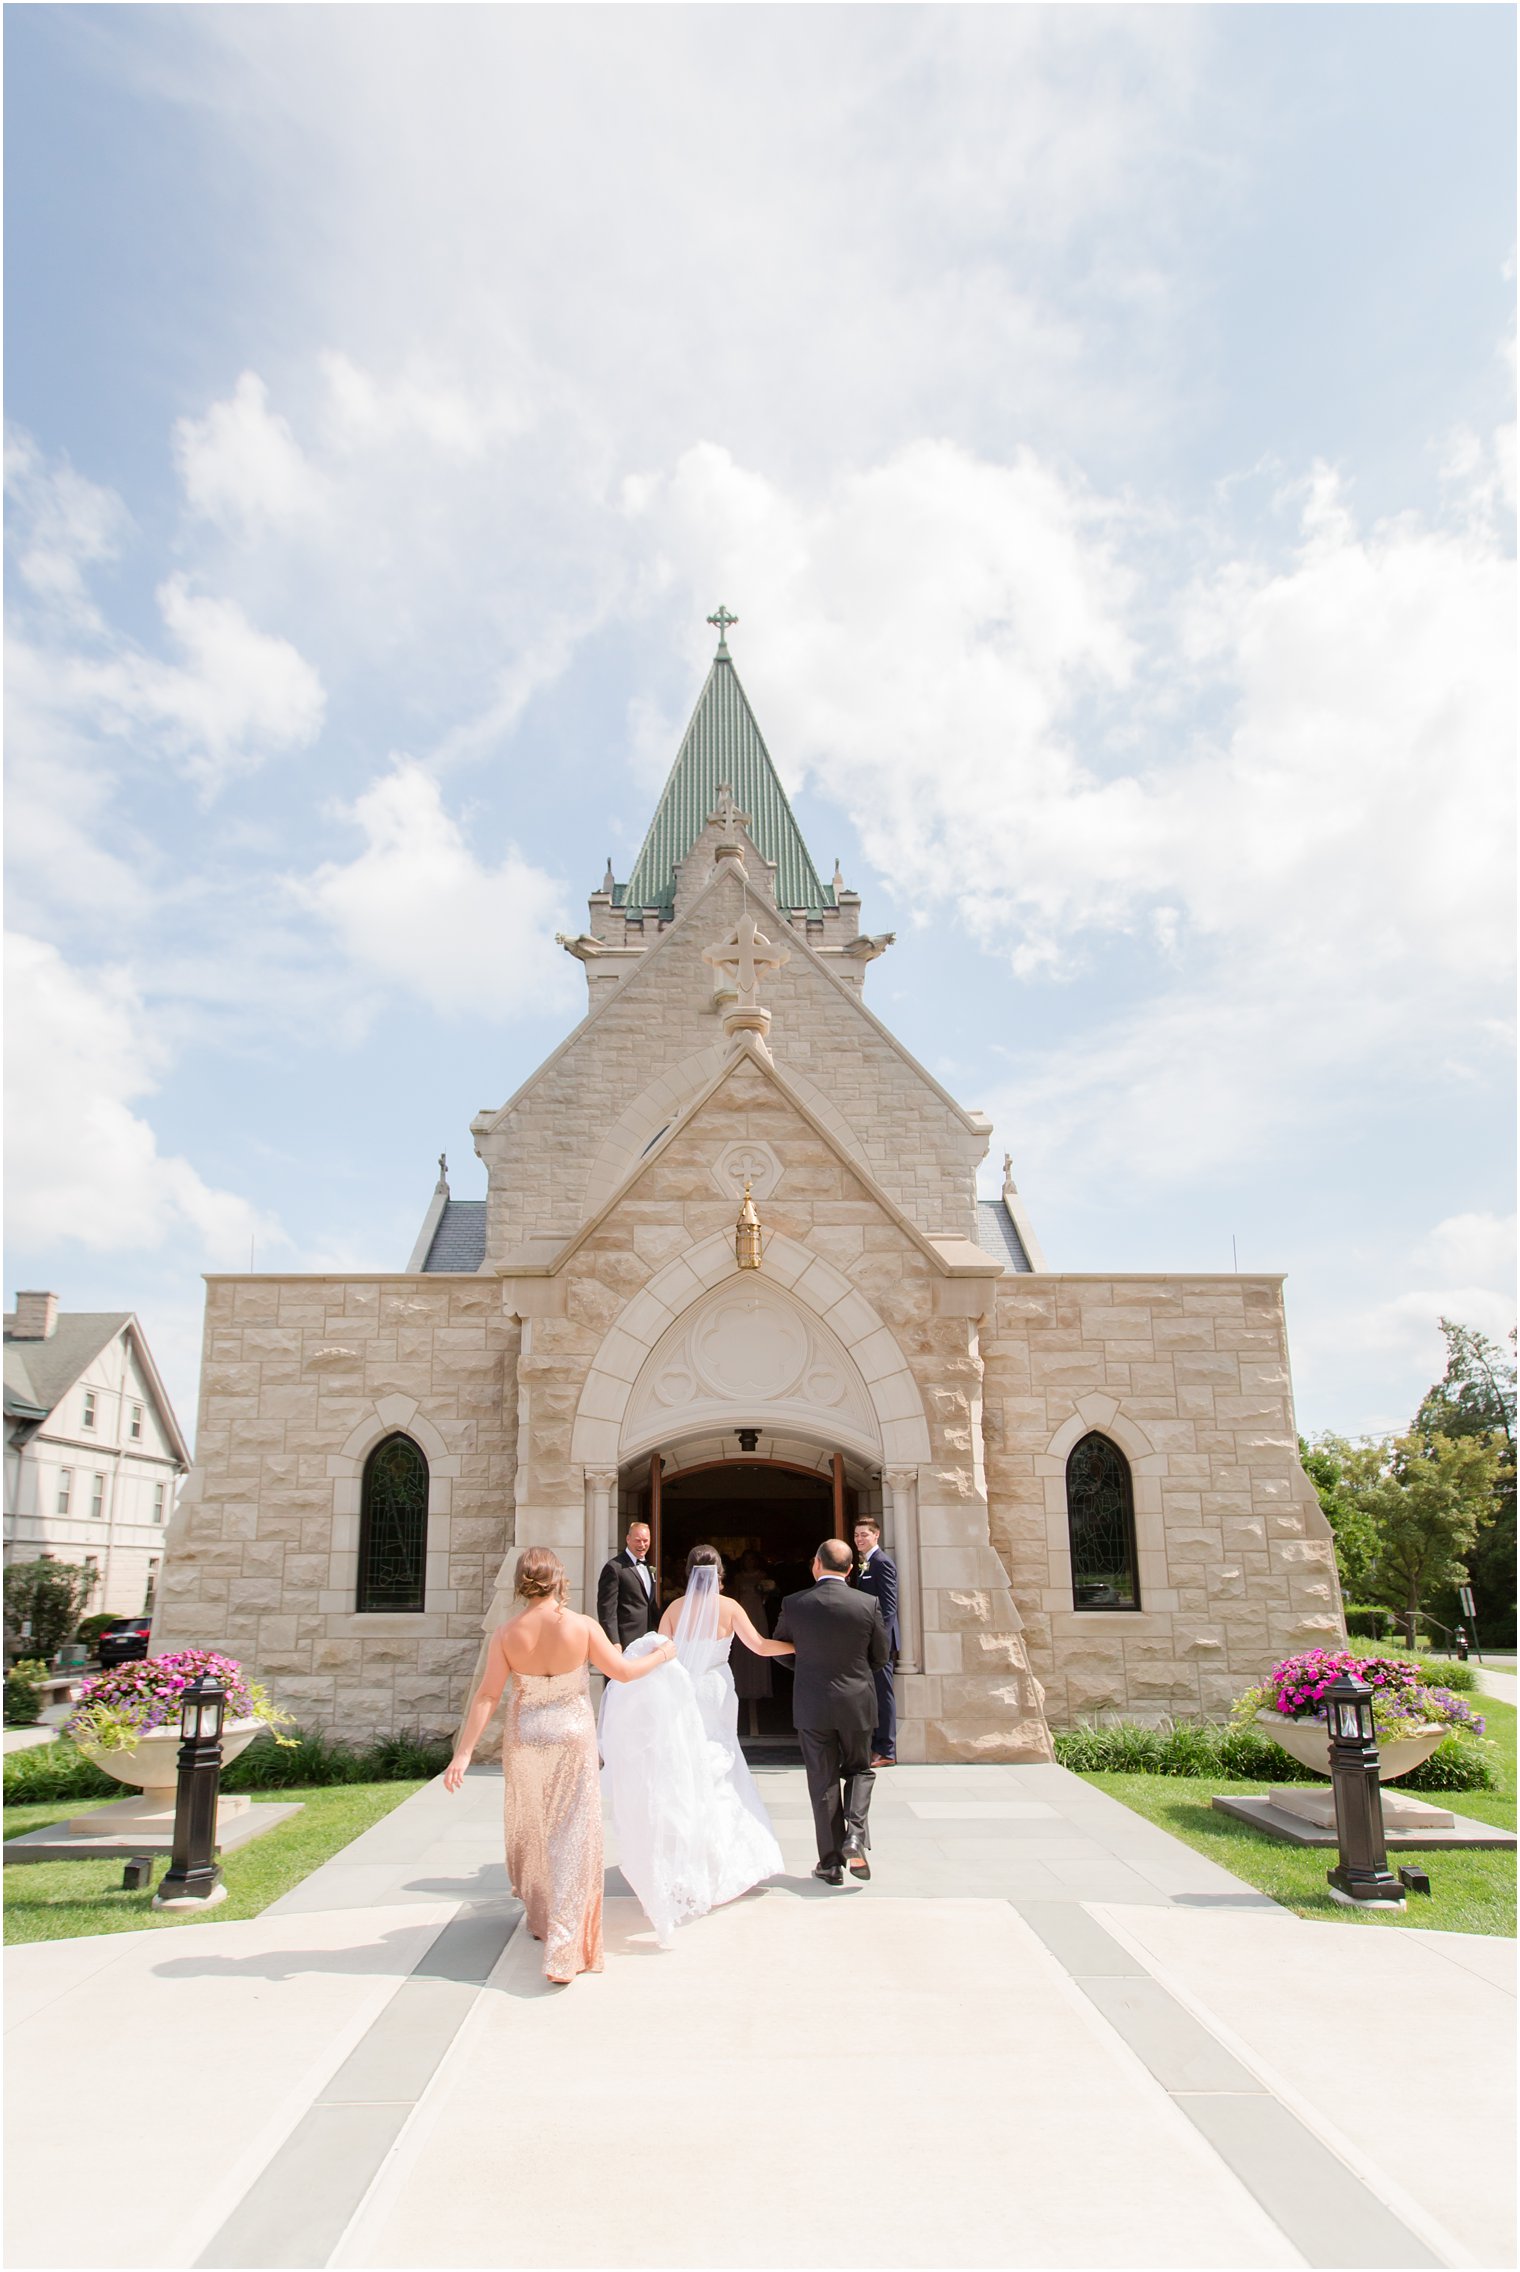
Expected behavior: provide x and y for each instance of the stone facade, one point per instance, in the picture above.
(886, 1342)
(301, 1378)
(1189, 1377)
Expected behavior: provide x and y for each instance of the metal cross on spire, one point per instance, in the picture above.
(722, 619)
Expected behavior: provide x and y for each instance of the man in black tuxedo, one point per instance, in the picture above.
(840, 1640)
(625, 1602)
(876, 1574)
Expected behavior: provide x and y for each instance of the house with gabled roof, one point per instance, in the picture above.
(93, 1451)
(1089, 1482)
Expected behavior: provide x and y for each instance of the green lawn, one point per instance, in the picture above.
(1471, 1891)
(54, 1901)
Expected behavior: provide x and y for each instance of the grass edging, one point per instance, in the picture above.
(1195, 1748)
(58, 1773)
(54, 1901)
(1472, 1889)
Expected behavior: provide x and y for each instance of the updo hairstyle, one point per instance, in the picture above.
(540, 1575)
(702, 1557)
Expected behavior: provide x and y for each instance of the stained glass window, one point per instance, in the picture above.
(1100, 1510)
(393, 1526)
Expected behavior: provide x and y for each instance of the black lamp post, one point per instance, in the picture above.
(192, 1874)
(1362, 1873)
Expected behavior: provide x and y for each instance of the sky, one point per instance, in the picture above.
(1099, 420)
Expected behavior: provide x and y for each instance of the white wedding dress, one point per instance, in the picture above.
(692, 1830)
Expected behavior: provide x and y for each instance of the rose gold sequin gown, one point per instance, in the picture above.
(554, 1816)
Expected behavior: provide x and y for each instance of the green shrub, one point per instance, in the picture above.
(90, 1628)
(1244, 1754)
(317, 1759)
(1441, 1672)
(55, 1771)
(59, 1772)
(1450, 1672)
(1366, 1621)
(23, 1691)
(1452, 1767)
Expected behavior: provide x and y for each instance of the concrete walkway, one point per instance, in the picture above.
(1044, 2034)
(1494, 1680)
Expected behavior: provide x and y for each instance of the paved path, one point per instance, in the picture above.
(1052, 2034)
(1495, 1681)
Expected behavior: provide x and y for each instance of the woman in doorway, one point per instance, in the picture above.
(692, 1828)
(553, 1804)
(753, 1591)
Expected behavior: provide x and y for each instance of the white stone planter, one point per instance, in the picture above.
(1308, 1741)
(152, 1765)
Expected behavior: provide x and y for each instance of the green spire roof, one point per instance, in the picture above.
(723, 746)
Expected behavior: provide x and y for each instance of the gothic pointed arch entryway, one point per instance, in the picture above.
(797, 1357)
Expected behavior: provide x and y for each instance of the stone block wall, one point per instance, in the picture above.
(301, 1377)
(1189, 1376)
(540, 1151)
(975, 1697)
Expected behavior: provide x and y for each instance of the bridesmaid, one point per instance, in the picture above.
(549, 1759)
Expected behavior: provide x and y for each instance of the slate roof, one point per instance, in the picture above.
(723, 744)
(40, 1374)
(995, 1235)
(459, 1243)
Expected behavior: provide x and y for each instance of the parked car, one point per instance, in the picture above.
(123, 1638)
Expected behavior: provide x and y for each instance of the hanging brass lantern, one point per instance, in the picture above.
(747, 1234)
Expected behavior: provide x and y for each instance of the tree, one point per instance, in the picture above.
(1476, 1397)
(1426, 1496)
(1336, 1467)
(49, 1595)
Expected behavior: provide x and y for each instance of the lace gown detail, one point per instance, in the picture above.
(691, 1826)
(554, 1817)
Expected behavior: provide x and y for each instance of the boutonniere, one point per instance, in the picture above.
(860, 1569)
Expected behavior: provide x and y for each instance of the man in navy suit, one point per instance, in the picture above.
(876, 1574)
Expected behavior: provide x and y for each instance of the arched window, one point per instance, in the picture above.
(1100, 1514)
(393, 1527)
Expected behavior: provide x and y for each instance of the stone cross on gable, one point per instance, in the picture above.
(746, 953)
(726, 811)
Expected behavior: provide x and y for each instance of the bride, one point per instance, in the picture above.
(691, 1826)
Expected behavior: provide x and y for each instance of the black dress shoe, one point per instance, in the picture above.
(829, 1872)
(858, 1865)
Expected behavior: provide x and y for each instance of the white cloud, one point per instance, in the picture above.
(923, 635)
(242, 466)
(922, 218)
(1469, 1249)
(60, 525)
(1287, 793)
(82, 1165)
(238, 696)
(70, 853)
(234, 696)
(417, 910)
(367, 412)
(1462, 1268)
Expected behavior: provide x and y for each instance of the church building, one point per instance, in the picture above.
(1089, 1482)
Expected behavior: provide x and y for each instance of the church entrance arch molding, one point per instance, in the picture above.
(794, 1351)
(748, 1353)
